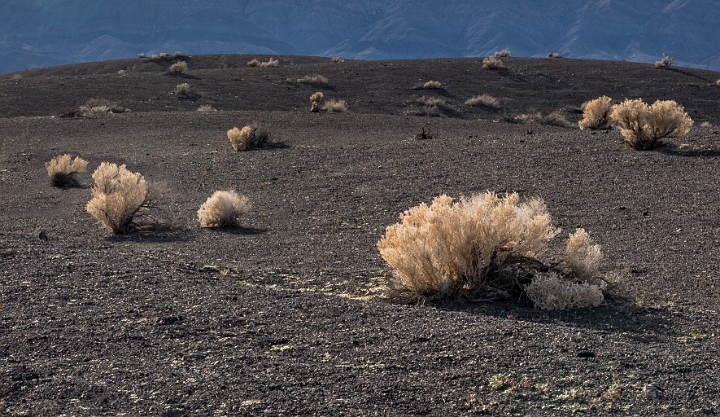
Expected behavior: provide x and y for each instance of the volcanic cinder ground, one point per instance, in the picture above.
(288, 315)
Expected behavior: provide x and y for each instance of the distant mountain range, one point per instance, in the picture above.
(38, 33)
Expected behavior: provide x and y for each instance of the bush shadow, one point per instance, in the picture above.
(690, 153)
(240, 230)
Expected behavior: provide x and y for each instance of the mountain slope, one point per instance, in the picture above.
(88, 30)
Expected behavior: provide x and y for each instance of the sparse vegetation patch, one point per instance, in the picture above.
(484, 100)
(335, 106)
(316, 79)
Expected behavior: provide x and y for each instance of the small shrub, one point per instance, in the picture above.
(270, 63)
(315, 100)
(582, 257)
(450, 247)
(253, 63)
(222, 209)
(432, 85)
(424, 135)
(178, 54)
(335, 106)
(179, 67)
(182, 90)
(556, 118)
(122, 73)
(433, 106)
(336, 59)
(117, 197)
(206, 108)
(665, 62)
(705, 124)
(63, 169)
(548, 291)
(503, 54)
(492, 63)
(316, 79)
(483, 100)
(163, 55)
(554, 55)
(249, 137)
(596, 113)
(141, 55)
(643, 126)
(717, 83)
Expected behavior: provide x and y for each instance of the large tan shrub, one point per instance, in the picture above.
(63, 169)
(222, 209)
(492, 63)
(182, 90)
(117, 197)
(549, 291)
(315, 100)
(448, 247)
(249, 137)
(595, 113)
(643, 126)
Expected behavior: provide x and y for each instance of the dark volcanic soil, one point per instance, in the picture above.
(288, 314)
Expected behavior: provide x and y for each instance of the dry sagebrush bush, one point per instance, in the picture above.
(503, 54)
(554, 55)
(206, 108)
(336, 59)
(178, 68)
(643, 126)
(222, 209)
(63, 169)
(595, 113)
(253, 63)
(335, 106)
(270, 63)
(665, 62)
(582, 257)
(449, 247)
(249, 137)
(492, 63)
(548, 291)
(483, 100)
(432, 85)
(117, 197)
(316, 79)
(315, 100)
(182, 90)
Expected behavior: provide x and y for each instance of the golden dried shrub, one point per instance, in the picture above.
(549, 291)
(492, 63)
(223, 209)
(644, 126)
(117, 197)
(179, 67)
(484, 100)
(582, 257)
(335, 106)
(432, 85)
(249, 137)
(596, 113)
(452, 247)
(315, 100)
(182, 90)
(63, 169)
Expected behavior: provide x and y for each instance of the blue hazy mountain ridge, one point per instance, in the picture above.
(37, 33)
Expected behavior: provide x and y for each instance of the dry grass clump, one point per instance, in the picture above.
(432, 85)
(206, 108)
(222, 209)
(63, 169)
(179, 67)
(705, 124)
(451, 247)
(270, 63)
(556, 118)
(118, 196)
(336, 59)
(249, 137)
(643, 126)
(665, 62)
(503, 54)
(554, 55)
(182, 90)
(548, 291)
(316, 79)
(97, 106)
(492, 63)
(433, 106)
(335, 106)
(315, 100)
(595, 113)
(483, 100)
(581, 256)
(253, 63)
